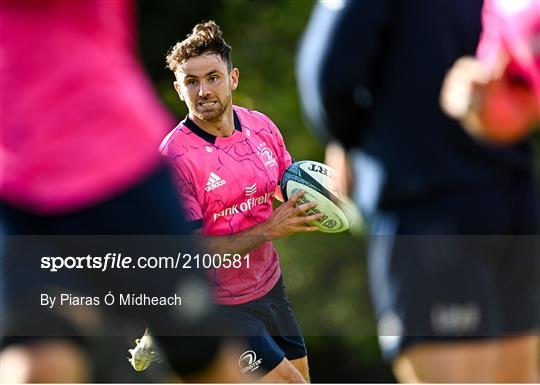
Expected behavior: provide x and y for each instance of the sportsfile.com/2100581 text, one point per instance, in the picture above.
(119, 261)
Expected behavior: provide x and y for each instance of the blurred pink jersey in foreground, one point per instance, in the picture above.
(511, 29)
(80, 121)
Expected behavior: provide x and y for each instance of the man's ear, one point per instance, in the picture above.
(234, 78)
(177, 88)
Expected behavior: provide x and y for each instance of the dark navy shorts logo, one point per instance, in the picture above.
(248, 362)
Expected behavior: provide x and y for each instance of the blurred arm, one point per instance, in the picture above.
(336, 157)
(485, 94)
(489, 104)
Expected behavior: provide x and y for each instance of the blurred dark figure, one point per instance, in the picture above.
(81, 127)
(450, 307)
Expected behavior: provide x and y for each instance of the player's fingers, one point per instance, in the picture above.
(295, 198)
(480, 73)
(308, 228)
(502, 62)
(470, 67)
(310, 218)
(469, 70)
(455, 99)
(457, 92)
(303, 227)
(306, 206)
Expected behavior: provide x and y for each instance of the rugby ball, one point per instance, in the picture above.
(317, 181)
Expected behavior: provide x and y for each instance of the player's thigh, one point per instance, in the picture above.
(294, 348)
(520, 295)
(284, 372)
(44, 360)
(285, 330)
(518, 359)
(465, 361)
(302, 365)
(506, 360)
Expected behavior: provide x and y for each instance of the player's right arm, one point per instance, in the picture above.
(285, 221)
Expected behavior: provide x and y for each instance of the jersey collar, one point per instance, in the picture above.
(205, 135)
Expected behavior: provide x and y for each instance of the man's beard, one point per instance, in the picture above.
(214, 115)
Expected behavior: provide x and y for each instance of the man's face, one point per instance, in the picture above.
(205, 84)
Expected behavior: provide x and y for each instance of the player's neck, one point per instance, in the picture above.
(222, 127)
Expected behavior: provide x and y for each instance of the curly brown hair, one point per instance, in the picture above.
(206, 38)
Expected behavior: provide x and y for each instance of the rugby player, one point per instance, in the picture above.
(228, 162)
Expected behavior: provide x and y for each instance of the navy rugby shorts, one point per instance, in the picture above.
(465, 266)
(270, 328)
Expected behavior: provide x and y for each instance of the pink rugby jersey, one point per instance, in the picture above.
(80, 120)
(512, 28)
(226, 185)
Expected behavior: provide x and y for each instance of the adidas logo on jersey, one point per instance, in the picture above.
(214, 182)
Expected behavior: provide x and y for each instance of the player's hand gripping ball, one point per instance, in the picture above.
(317, 181)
